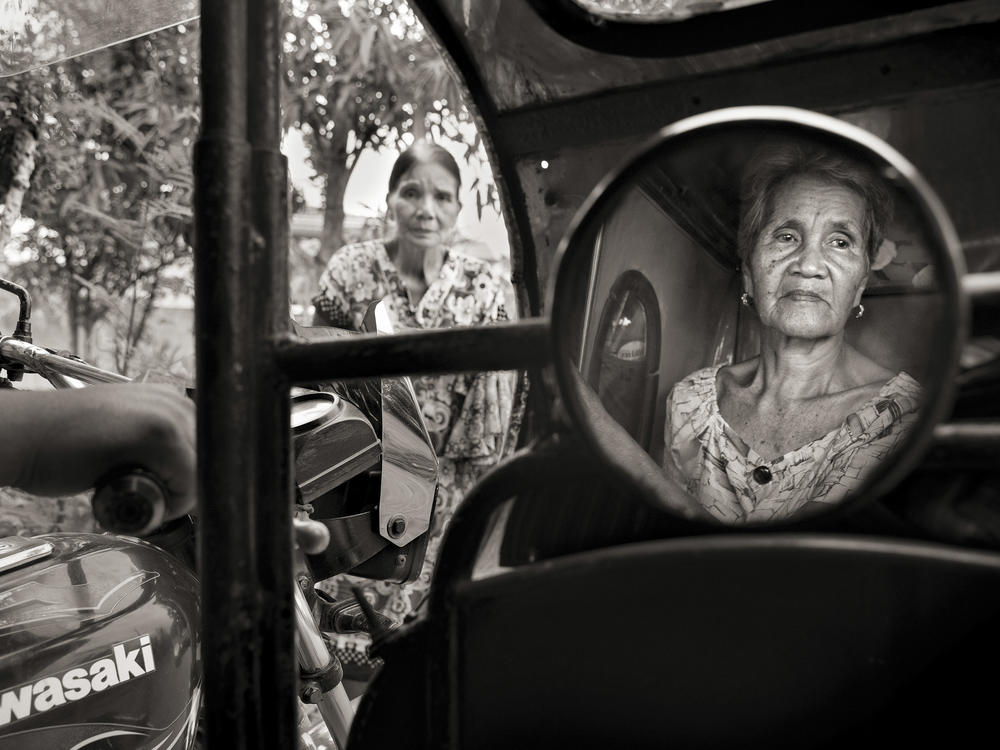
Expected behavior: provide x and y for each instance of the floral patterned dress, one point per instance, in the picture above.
(468, 416)
(737, 485)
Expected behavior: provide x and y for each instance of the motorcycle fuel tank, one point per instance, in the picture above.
(98, 645)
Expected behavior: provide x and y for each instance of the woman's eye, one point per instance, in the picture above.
(840, 243)
(444, 197)
(784, 237)
(409, 193)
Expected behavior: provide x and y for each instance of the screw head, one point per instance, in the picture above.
(396, 526)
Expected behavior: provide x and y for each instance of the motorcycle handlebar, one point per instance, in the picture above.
(133, 502)
(130, 501)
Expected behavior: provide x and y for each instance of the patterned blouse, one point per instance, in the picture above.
(470, 417)
(737, 485)
(467, 292)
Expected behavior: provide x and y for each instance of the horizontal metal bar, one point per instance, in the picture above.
(965, 445)
(45, 363)
(981, 284)
(971, 433)
(504, 346)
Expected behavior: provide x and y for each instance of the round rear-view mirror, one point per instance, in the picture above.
(758, 317)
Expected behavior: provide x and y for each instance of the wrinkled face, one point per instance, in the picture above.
(424, 204)
(809, 266)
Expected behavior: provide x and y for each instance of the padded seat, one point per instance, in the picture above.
(737, 640)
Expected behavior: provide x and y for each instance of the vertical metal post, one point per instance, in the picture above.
(269, 283)
(243, 476)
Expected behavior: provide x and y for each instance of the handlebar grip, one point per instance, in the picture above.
(131, 502)
(311, 536)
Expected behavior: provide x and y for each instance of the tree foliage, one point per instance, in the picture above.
(111, 193)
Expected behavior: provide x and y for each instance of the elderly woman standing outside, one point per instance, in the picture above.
(804, 420)
(429, 282)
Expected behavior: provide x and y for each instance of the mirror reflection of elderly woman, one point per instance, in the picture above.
(804, 420)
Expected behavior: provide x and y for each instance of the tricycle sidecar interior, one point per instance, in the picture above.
(616, 619)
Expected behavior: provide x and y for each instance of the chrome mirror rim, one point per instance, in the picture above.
(949, 331)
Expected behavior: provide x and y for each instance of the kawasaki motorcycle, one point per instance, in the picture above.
(99, 632)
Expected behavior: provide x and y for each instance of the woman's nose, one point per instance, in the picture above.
(426, 205)
(809, 261)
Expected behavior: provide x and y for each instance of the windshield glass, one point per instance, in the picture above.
(39, 32)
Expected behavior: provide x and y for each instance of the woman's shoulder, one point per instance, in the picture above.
(696, 386)
(904, 389)
(690, 406)
(368, 249)
(477, 250)
(475, 265)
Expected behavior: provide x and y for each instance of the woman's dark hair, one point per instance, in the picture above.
(772, 165)
(422, 152)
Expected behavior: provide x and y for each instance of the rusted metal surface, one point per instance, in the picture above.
(964, 58)
(497, 347)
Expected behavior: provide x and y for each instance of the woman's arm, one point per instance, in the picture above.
(62, 442)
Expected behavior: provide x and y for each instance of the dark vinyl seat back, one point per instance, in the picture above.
(729, 641)
(734, 640)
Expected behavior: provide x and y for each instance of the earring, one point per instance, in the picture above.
(746, 300)
(860, 311)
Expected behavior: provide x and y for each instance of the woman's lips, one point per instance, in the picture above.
(801, 295)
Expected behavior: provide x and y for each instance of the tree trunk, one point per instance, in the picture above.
(72, 301)
(333, 215)
(337, 176)
(18, 144)
(137, 328)
(87, 321)
(419, 129)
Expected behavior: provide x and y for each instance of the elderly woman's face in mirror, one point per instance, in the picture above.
(760, 310)
(809, 263)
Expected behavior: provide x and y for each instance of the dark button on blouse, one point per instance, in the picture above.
(762, 475)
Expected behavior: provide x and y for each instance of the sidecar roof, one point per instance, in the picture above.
(525, 60)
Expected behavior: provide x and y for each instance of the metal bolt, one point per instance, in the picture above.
(400, 561)
(396, 526)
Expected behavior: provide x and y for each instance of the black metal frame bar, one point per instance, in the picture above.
(241, 299)
(496, 347)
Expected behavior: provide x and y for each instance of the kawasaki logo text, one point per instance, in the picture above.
(77, 683)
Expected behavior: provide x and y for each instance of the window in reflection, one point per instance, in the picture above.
(625, 371)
